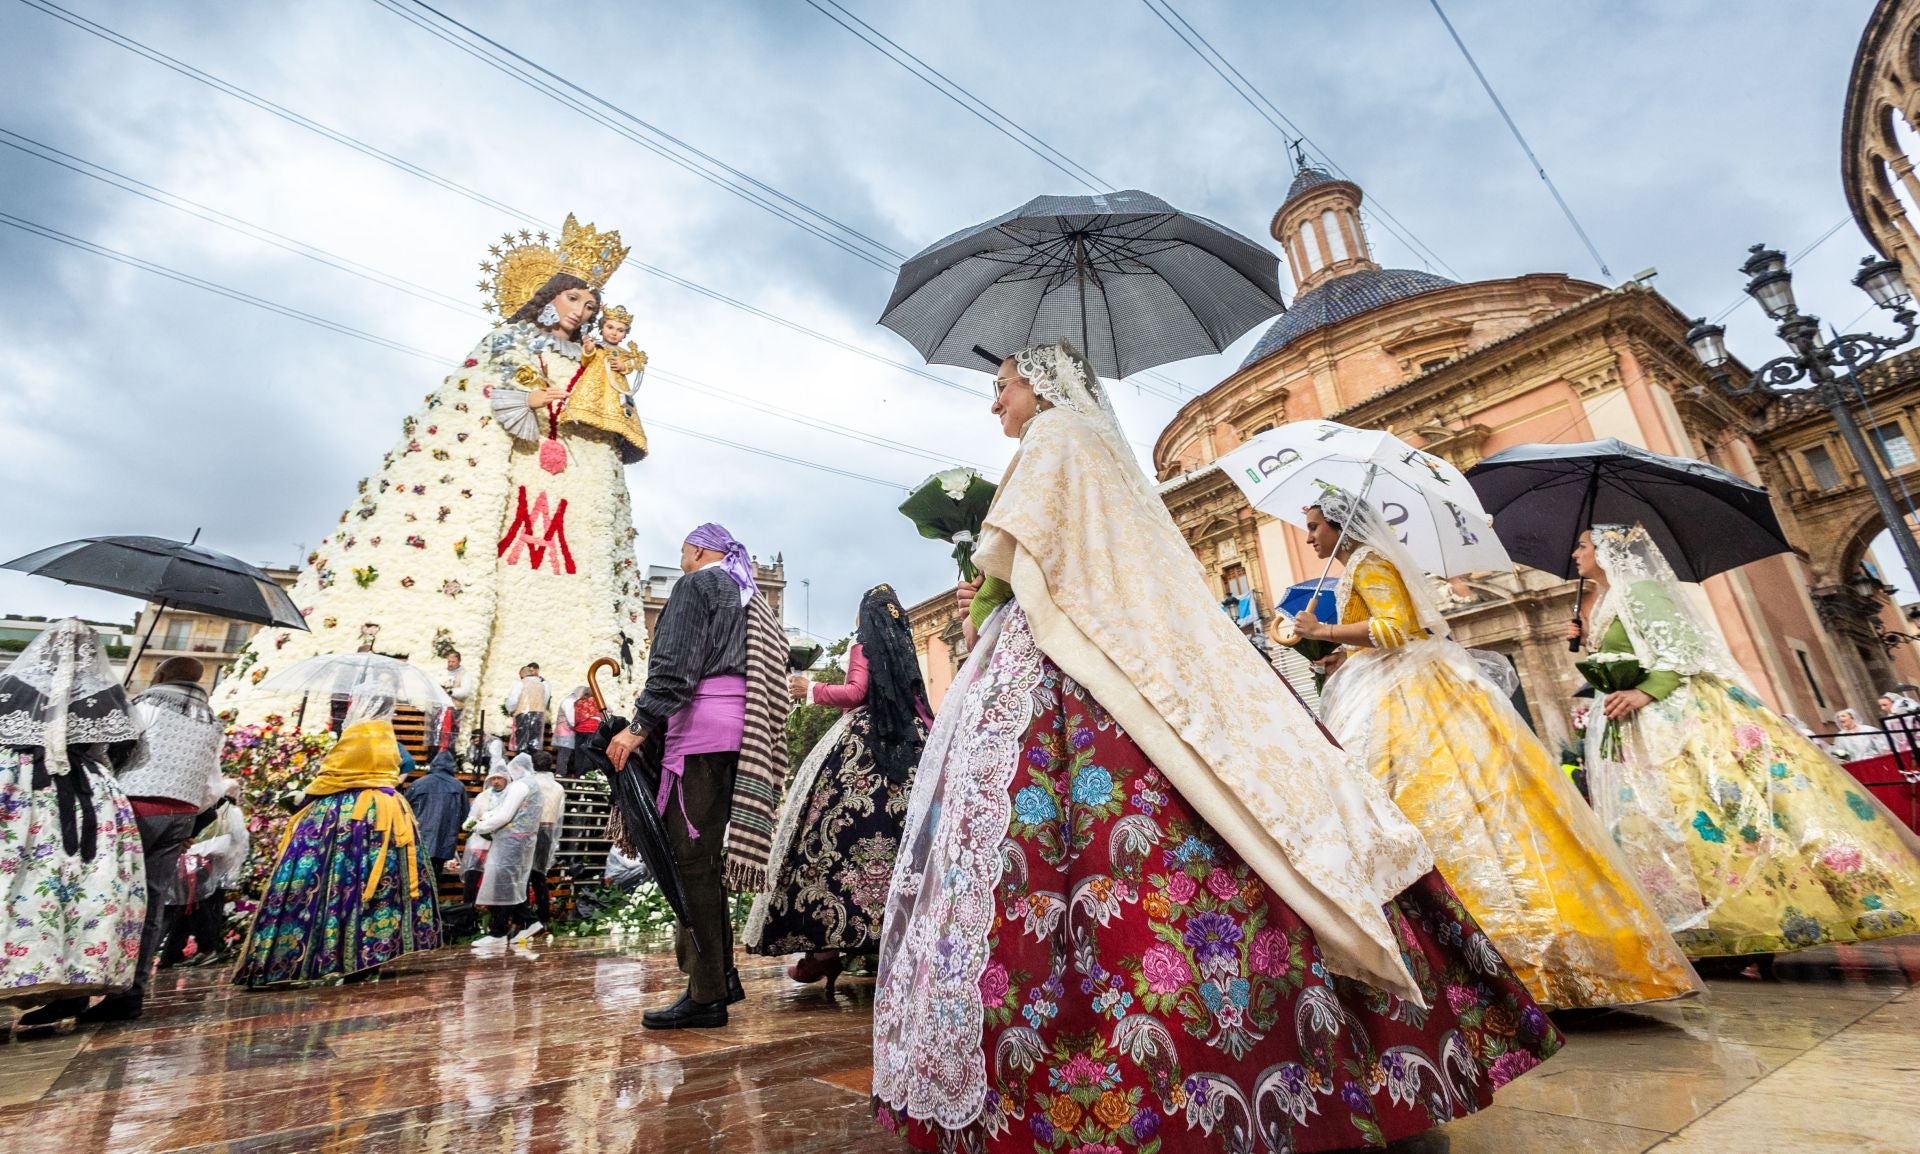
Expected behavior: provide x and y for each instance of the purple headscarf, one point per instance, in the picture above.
(738, 562)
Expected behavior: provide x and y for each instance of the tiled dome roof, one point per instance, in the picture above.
(1340, 298)
(1308, 177)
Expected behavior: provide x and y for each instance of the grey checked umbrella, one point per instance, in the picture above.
(1131, 280)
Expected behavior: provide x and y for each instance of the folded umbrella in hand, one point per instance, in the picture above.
(634, 790)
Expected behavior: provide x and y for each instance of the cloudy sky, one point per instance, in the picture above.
(1680, 131)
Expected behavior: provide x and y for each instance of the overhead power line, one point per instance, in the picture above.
(1270, 112)
(287, 114)
(346, 330)
(1539, 168)
(672, 148)
(943, 84)
(403, 165)
(834, 427)
(459, 189)
(246, 298)
(1795, 259)
(234, 224)
(901, 486)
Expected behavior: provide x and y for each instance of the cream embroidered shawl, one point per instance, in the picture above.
(1115, 598)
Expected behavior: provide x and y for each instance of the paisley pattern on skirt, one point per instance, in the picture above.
(314, 922)
(1145, 993)
(829, 889)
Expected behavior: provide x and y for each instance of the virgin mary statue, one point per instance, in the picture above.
(499, 525)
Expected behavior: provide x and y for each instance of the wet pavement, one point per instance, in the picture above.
(545, 1056)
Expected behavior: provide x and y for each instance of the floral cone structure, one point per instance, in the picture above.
(472, 537)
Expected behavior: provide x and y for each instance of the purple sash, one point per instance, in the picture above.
(711, 723)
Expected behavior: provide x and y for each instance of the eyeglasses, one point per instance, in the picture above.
(1000, 383)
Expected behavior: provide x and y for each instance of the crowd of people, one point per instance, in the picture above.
(1124, 886)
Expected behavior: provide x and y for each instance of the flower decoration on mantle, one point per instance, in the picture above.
(365, 576)
(406, 582)
(460, 547)
(417, 541)
(451, 588)
(331, 622)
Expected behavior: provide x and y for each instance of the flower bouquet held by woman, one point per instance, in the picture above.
(1611, 673)
(1140, 901)
(949, 506)
(1748, 838)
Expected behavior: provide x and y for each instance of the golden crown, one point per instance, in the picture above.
(525, 261)
(617, 314)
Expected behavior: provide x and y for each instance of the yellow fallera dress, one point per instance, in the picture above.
(1747, 838)
(1508, 830)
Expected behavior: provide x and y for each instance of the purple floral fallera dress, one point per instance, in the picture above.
(316, 921)
(1145, 993)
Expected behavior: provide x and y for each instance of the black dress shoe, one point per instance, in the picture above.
(114, 1008)
(735, 992)
(52, 1014)
(686, 1014)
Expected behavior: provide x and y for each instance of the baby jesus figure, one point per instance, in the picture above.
(604, 397)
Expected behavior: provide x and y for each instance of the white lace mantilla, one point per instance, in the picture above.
(928, 1063)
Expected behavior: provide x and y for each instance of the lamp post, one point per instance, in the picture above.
(1820, 369)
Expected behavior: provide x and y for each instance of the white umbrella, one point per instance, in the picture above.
(339, 674)
(1440, 519)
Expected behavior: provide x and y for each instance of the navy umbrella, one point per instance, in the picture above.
(1319, 592)
(1131, 280)
(175, 574)
(1705, 519)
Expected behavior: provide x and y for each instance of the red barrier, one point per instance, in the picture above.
(1884, 778)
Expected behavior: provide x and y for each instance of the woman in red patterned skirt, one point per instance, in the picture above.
(1142, 905)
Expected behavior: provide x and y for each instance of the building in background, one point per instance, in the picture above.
(938, 642)
(1467, 369)
(771, 577)
(215, 641)
(16, 632)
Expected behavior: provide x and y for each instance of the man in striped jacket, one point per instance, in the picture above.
(716, 689)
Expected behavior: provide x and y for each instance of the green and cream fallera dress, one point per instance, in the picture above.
(1748, 838)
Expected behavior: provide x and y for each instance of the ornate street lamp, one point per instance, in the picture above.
(1823, 370)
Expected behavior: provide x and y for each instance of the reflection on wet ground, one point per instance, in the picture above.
(545, 1056)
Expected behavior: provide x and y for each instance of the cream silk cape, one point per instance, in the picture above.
(1114, 597)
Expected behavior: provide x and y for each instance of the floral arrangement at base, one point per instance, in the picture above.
(640, 912)
(267, 760)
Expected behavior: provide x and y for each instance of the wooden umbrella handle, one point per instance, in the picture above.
(593, 679)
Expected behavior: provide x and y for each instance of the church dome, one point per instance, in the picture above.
(1332, 301)
(1308, 177)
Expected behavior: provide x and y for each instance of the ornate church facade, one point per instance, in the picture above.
(1467, 369)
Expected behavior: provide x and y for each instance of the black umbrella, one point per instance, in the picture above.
(634, 791)
(1705, 519)
(175, 574)
(1135, 282)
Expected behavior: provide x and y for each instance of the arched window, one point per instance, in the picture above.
(1336, 240)
(1309, 251)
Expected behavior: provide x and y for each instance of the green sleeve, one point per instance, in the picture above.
(992, 595)
(1658, 683)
